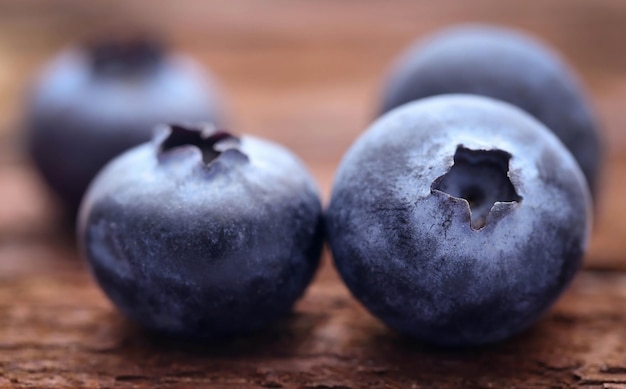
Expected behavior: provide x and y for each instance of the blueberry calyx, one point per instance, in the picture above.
(480, 178)
(125, 56)
(211, 142)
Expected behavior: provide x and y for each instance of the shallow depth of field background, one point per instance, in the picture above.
(306, 74)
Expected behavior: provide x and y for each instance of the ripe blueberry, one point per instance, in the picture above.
(458, 219)
(95, 101)
(506, 65)
(202, 234)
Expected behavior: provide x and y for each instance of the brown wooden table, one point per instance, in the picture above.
(305, 74)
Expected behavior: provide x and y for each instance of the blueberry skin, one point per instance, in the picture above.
(507, 65)
(408, 251)
(199, 250)
(90, 103)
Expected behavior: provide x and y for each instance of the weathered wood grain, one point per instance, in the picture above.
(56, 328)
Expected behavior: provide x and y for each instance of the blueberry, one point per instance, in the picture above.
(458, 219)
(506, 65)
(94, 101)
(201, 234)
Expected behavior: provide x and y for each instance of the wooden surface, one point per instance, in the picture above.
(305, 74)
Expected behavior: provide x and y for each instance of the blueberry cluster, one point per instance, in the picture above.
(458, 217)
